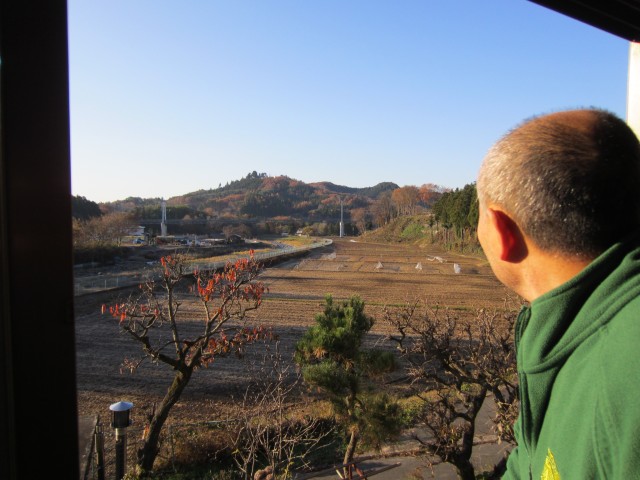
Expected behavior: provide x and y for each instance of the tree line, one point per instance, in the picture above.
(457, 213)
(95, 227)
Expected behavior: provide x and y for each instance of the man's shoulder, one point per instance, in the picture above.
(617, 409)
(618, 347)
(624, 326)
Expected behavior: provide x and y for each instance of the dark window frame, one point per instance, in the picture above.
(38, 406)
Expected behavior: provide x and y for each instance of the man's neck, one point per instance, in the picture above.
(545, 271)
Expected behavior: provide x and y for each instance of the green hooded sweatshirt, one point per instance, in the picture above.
(578, 354)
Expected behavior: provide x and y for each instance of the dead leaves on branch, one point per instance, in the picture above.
(226, 296)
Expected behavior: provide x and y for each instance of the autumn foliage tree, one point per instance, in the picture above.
(154, 320)
(454, 364)
(406, 199)
(429, 193)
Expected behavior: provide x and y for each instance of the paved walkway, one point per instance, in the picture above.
(86, 428)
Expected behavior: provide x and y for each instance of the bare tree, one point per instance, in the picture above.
(406, 199)
(453, 364)
(360, 217)
(153, 319)
(270, 431)
(108, 229)
(384, 209)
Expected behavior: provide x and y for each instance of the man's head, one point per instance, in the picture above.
(569, 182)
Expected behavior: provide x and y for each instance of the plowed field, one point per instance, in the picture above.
(381, 274)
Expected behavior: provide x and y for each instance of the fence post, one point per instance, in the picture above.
(99, 450)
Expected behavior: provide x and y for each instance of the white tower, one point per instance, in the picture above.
(163, 222)
(341, 220)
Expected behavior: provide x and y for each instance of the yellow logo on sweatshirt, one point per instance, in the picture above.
(550, 470)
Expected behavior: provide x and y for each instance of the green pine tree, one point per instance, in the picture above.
(333, 360)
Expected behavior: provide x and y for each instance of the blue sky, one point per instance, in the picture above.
(169, 97)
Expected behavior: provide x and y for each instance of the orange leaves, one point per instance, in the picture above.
(205, 290)
(117, 311)
(172, 266)
(168, 261)
(253, 292)
(158, 307)
(231, 275)
(234, 283)
(130, 311)
(163, 262)
(226, 345)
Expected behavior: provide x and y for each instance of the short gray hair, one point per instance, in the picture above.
(570, 180)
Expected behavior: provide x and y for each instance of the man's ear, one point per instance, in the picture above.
(512, 245)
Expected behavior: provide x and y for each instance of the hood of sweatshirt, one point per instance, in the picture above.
(559, 321)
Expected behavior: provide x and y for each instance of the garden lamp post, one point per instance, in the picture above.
(120, 421)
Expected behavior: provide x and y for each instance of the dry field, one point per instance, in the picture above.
(381, 274)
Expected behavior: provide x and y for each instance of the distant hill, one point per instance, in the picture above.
(260, 196)
(370, 192)
(260, 204)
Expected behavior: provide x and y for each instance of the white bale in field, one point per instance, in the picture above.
(419, 266)
(379, 266)
(456, 268)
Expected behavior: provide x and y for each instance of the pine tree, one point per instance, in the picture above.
(333, 360)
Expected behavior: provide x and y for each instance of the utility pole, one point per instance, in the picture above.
(163, 222)
(341, 219)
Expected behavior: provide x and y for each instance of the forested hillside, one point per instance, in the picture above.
(258, 204)
(259, 196)
(451, 222)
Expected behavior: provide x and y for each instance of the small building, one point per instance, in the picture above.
(136, 231)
